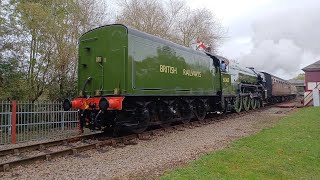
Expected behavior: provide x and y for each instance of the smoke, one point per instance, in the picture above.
(285, 41)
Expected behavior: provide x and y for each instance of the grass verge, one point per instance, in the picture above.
(289, 150)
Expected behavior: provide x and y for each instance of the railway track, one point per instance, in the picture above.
(95, 141)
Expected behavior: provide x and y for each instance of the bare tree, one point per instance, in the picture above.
(145, 15)
(199, 24)
(172, 20)
(84, 15)
(173, 11)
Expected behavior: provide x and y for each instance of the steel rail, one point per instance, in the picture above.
(68, 151)
(125, 140)
(39, 146)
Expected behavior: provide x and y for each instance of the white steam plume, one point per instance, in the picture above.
(286, 41)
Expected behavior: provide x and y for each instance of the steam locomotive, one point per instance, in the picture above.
(128, 79)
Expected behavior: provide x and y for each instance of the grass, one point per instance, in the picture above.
(289, 150)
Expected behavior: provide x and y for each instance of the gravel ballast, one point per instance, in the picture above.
(149, 158)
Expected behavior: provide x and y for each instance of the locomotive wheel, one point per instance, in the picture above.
(258, 102)
(199, 110)
(138, 129)
(238, 104)
(253, 103)
(165, 124)
(141, 127)
(162, 113)
(246, 103)
(261, 103)
(184, 111)
(225, 110)
(143, 119)
(156, 113)
(186, 120)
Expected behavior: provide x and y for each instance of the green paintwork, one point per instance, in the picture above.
(109, 43)
(247, 79)
(237, 75)
(227, 87)
(135, 63)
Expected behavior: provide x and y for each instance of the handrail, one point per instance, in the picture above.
(310, 92)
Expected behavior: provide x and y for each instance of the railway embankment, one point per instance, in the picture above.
(289, 150)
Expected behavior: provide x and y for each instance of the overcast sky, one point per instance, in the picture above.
(277, 36)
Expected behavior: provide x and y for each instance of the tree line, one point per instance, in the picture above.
(38, 38)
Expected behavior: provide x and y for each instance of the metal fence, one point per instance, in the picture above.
(24, 121)
(5, 122)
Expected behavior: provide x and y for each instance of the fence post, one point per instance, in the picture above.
(80, 130)
(14, 122)
(62, 121)
(316, 101)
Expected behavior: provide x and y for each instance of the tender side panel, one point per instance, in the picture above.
(158, 68)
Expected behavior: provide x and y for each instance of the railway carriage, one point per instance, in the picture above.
(129, 79)
(278, 90)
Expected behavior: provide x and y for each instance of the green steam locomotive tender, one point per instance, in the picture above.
(128, 79)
